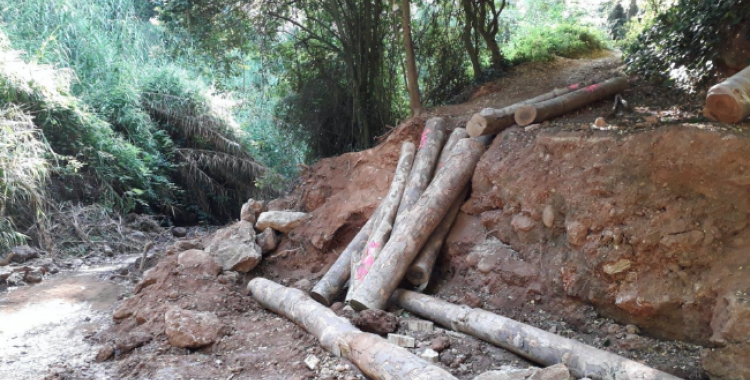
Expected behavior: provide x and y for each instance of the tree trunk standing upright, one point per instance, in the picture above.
(471, 50)
(488, 26)
(415, 103)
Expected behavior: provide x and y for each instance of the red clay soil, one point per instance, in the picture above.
(645, 252)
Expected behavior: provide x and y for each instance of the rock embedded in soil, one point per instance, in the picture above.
(441, 343)
(24, 253)
(282, 221)
(267, 240)
(198, 263)
(234, 248)
(179, 232)
(376, 321)
(191, 329)
(430, 355)
(548, 216)
(105, 353)
(131, 341)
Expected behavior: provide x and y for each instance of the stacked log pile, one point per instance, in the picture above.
(402, 240)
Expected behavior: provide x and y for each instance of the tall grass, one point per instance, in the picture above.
(23, 171)
(133, 114)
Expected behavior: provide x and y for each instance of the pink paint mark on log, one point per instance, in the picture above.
(573, 86)
(592, 88)
(423, 140)
(361, 273)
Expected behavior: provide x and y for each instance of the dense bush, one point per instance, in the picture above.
(543, 43)
(143, 132)
(684, 42)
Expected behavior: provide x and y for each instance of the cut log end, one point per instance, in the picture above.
(358, 306)
(417, 275)
(476, 125)
(725, 108)
(320, 298)
(525, 115)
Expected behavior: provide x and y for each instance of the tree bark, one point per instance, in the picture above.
(729, 101)
(457, 134)
(537, 345)
(415, 103)
(373, 355)
(424, 166)
(542, 111)
(411, 234)
(492, 121)
(362, 260)
(420, 270)
(468, 43)
(332, 283)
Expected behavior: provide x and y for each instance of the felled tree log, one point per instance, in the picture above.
(420, 270)
(492, 121)
(729, 101)
(537, 345)
(362, 260)
(416, 227)
(332, 283)
(457, 134)
(541, 111)
(373, 355)
(424, 165)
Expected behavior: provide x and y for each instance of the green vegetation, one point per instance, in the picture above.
(682, 44)
(543, 43)
(128, 126)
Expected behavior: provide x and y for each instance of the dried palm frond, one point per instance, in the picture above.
(23, 171)
(234, 169)
(186, 118)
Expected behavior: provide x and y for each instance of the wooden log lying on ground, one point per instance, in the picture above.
(420, 270)
(373, 355)
(424, 165)
(416, 227)
(492, 121)
(729, 101)
(362, 261)
(542, 111)
(530, 342)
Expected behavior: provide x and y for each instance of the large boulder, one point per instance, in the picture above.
(191, 329)
(196, 262)
(23, 253)
(282, 221)
(234, 248)
(250, 210)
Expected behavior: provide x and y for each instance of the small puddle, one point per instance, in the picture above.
(44, 325)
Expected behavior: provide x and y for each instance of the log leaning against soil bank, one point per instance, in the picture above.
(542, 111)
(416, 227)
(374, 356)
(537, 345)
(362, 260)
(424, 165)
(332, 283)
(729, 101)
(492, 121)
(420, 270)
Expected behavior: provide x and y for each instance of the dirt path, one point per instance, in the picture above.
(532, 79)
(43, 328)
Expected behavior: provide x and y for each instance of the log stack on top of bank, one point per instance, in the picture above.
(402, 239)
(404, 235)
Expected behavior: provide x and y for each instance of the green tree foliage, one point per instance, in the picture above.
(145, 133)
(685, 41)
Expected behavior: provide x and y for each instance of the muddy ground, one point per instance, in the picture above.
(538, 276)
